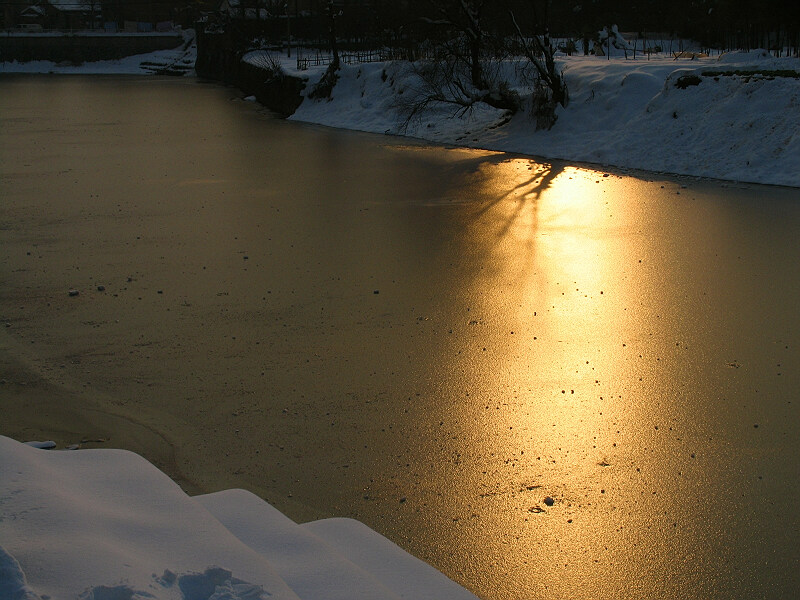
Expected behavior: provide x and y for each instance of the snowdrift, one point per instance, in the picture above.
(108, 525)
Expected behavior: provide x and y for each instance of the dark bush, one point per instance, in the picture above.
(685, 81)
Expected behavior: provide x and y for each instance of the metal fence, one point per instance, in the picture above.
(348, 58)
(304, 61)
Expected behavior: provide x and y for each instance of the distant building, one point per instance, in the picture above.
(51, 14)
(96, 14)
(269, 9)
(246, 9)
(74, 14)
(32, 18)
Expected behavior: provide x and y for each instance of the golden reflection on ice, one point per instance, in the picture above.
(552, 253)
(555, 263)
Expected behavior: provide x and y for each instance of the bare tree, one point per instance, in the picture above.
(325, 85)
(466, 53)
(464, 17)
(549, 87)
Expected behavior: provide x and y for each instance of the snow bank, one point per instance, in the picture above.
(107, 525)
(625, 113)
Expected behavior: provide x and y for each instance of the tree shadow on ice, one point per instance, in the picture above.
(513, 190)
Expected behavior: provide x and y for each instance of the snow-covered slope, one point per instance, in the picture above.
(108, 525)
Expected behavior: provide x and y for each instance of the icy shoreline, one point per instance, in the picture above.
(736, 120)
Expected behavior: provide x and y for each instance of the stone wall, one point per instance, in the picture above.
(219, 57)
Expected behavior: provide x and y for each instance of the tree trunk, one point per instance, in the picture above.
(332, 35)
(475, 63)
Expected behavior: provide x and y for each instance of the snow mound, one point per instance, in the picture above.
(761, 59)
(214, 583)
(344, 556)
(12, 580)
(108, 525)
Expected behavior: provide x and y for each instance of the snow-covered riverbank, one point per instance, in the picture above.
(175, 61)
(739, 121)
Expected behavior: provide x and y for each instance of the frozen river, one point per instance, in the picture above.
(430, 340)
